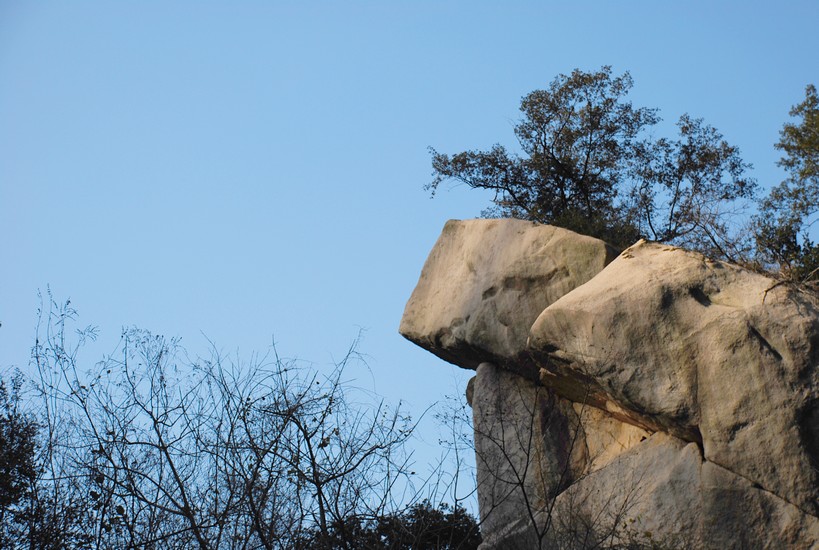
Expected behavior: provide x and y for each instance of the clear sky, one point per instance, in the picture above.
(250, 170)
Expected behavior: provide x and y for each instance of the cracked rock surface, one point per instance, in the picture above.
(704, 350)
(660, 394)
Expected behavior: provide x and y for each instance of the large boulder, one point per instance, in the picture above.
(486, 281)
(707, 351)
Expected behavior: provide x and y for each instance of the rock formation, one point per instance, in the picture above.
(651, 398)
(486, 281)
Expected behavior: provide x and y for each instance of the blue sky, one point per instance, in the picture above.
(251, 170)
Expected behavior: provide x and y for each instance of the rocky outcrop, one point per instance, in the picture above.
(486, 281)
(707, 351)
(658, 398)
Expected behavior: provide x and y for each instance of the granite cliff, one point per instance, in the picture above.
(652, 398)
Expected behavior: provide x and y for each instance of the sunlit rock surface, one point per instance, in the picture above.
(707, 351)
(660, 398)
(486, 281)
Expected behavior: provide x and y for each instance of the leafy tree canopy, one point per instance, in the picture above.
(589, 165)
(789, 210)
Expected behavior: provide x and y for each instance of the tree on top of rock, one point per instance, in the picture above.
(790, 209)
(588, 165)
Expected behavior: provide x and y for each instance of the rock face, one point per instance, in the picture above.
(486, 281)
(707, 351)
(660, 398)
(666, 493)
(530, 445)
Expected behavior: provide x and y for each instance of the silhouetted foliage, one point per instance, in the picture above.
(151, 448)
(17, 446)
(18, 468)
(688, 191)
(789, 210)
(421, 526)
(30, 516)
(588, 165)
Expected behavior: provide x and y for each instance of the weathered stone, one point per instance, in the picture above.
(602, 437)
(523, 447)
(650, 492)
(529, 446)
(704, 350)
(486, 281)
(662, 492)
(668, 401)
